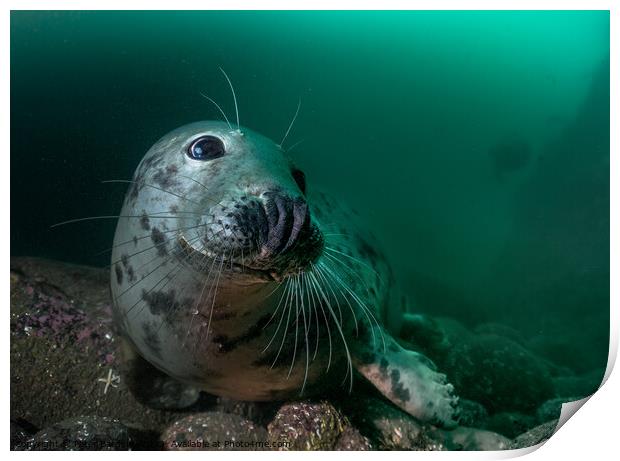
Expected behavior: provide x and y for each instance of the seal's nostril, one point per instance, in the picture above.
(286, 218)
(301, 220)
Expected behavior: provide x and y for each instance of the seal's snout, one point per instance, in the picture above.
(287, 222)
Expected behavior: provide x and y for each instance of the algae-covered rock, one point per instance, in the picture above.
(499, 373)
(214, 431)
(582, 384)
(510, 424)
(21, 432)
(471, 414)
(307, 426)
(352, 439)
(534, 436)
(88, 433)
(552, 408)
(389, 428)
(64, 351)
(471, 439)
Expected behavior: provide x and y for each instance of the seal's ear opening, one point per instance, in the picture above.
(300, 179)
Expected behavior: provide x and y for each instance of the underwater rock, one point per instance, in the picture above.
(583, 385)
(423, 332)
(64, 351)
(472, 414)
(510, 424)
(92, 433)
(352, 439)
(534, 436)
(214, 431)
(388, 428)
(21, 432)
(468, 438)
(260, 413)
(499, 373)
(502, 330)
(551, 409)
(307, 426)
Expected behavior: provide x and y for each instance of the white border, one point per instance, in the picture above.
(593, 433)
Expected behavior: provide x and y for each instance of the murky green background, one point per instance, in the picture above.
(477, 143)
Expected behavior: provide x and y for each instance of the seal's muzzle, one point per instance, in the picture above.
(288, 221)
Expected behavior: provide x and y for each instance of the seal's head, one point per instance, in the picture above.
(238, 197)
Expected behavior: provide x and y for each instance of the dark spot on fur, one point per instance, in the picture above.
(159, 239)
(128, 268)
(383, 366)
(131, 274)
(367, 251)
(226, 345)
(163, 303)
(398, 390)
(144, 221)
(151, 339)
(165, 177)
(119, 273)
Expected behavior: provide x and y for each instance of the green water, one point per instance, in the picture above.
(400, 114)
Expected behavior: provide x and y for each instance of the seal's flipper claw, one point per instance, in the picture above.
(406, 379)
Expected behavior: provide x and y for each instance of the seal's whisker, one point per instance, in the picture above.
(147, 292)
(312, 279)
(165, 261)
(344, 342)
(296, 321)
(332, 249)
(150, 235)
(327, 305)
(127, 181)
(218, 108)
(196, 310)
(217, 282)
(321, 267)
(313, 311)
(332, 258)
(307, 346)
(234, 98)
(277, 307)
(321, 274)
(365, 309)
(144, 250)
(92, 218)
(287, 286)
(169, 278)
(294, 145)
(288, 308)
(291, 124)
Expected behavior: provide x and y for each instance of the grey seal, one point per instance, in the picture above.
(232, 275)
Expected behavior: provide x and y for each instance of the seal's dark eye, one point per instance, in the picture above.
(206, 148)
(300, 179)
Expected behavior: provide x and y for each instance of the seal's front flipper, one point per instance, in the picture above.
(152, 387)
(406, 378)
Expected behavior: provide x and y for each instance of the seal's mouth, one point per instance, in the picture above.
(259, 267)
(202, 260)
